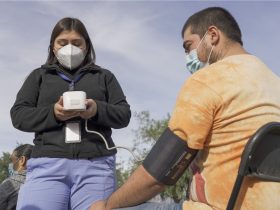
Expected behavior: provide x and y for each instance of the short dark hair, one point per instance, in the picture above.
(23, 150)
(217, 16)
(68, 24)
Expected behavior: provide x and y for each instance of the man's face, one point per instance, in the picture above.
(191, 42)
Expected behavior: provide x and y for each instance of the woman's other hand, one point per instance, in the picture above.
(90, 111)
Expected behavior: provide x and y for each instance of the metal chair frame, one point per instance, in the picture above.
(260, 159)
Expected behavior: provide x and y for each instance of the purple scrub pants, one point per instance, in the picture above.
(62, 184)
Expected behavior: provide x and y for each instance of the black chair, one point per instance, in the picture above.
(260, 158)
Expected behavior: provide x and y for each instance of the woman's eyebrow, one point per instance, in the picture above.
(62, 40)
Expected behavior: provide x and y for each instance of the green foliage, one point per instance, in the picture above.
(147, 133)
(122, 175)
(4, 162)
(149, 129)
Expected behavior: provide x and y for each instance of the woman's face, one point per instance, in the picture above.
(69, 37)
(19, 163)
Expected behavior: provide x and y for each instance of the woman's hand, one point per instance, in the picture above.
(90, 111)
(61, 114)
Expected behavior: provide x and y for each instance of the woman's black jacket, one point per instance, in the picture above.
(33, 111)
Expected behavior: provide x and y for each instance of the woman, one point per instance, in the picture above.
(17, 173)
(63, 175)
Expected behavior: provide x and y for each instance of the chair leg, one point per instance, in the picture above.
(235, 192)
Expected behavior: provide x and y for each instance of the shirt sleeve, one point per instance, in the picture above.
(5, 191)
(193, 115)
(25, 113)
(115, 112)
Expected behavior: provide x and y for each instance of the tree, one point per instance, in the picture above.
(4, 162)
(147, 134)
(122, 175)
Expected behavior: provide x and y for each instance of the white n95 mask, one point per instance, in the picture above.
(70, 56)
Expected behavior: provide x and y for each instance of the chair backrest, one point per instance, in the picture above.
(260, 158)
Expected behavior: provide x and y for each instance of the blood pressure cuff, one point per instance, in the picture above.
(169, 158)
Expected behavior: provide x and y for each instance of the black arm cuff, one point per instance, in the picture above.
(169, 158)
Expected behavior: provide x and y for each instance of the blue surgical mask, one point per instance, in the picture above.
(11, 170)
(192, 61)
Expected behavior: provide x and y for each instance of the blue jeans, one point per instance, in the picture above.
(155, 206)
(61, 184)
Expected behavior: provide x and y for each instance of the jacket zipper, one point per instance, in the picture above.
(74, 151)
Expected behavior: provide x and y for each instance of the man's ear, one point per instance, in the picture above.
(215, 34)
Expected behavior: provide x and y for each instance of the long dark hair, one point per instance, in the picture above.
(69, 24)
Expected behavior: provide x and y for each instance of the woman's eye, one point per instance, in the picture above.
(62, 43)
(77, 44)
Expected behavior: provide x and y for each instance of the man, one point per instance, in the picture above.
(17, 171)
(218, 109)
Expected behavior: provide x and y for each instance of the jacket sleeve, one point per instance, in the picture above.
(115, 112)
(5, 191)
(25, 114)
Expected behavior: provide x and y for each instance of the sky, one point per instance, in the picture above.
(139, 41)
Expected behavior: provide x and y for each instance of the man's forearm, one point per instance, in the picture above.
(140, 187)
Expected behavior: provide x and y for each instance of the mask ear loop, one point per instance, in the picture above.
(201, 40)
(210, 54)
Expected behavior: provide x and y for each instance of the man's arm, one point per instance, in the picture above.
(140, 187)
(164, 165)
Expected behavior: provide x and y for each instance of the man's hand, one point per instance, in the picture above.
(99, 205)
(90, 111)
(61, 114)
(139, 188)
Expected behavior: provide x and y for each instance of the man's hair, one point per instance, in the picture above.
(217, 16)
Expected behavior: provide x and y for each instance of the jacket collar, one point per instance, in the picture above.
(57, 67)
